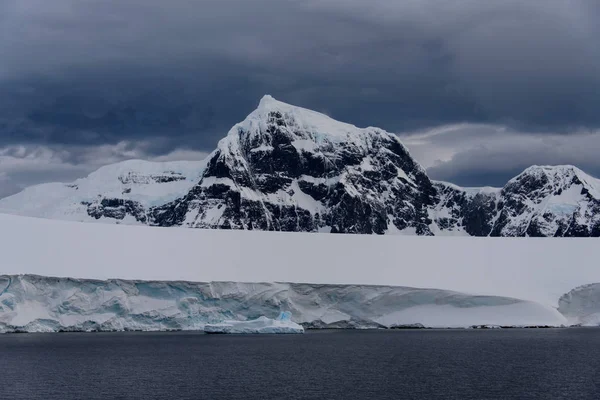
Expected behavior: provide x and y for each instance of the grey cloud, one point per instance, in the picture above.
(479, 155)
(178, 74)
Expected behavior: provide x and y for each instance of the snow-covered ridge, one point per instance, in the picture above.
(141, 183)
(286, 168)
(42, 304)
(550, 201)
(542, 201)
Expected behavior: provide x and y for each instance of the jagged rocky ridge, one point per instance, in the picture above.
(30, 303)
(542, 201)
(286, 168)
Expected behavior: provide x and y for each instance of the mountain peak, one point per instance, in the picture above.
(275, 123)
(269, 103)
(270, 109)
(267, 100)
(558, 173)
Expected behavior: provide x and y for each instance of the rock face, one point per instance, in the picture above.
(286, 168)
(471, 211)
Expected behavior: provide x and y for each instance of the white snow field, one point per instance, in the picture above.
(433, 281)
(283, 324)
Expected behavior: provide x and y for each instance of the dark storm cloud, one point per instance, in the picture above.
(178, 74)
(490, 155)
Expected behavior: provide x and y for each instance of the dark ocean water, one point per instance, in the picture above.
(436, 364)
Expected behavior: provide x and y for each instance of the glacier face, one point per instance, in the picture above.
(286, 168)
(44, 304)
(283, 324)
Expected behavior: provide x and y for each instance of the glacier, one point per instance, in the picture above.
(61, 275)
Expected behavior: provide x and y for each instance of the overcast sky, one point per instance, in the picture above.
(478, 90)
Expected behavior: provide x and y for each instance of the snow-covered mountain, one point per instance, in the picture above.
(286, 168)
(123, 192)
(291, 169)
(541, 201)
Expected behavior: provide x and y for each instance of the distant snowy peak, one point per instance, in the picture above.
(118, 192)
(541, 201)
(554, 179)
(286, 168)
(550, 201)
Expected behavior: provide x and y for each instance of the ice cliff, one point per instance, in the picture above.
(43, 304)
(283, 324)
(582, 305)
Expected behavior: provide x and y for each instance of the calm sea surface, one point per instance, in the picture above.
(424, 364)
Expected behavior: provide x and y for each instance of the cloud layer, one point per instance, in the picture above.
(489, 155)
(167, 77)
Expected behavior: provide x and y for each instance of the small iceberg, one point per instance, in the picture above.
(283, 324)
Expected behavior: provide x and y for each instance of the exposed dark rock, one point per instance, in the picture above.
(133, 178)
(116, 209)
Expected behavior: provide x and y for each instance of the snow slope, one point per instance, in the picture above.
(534, 274)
